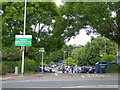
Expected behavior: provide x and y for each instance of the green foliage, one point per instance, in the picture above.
(0, 68)
(54, 56)
(33, 54)
(101, 20)
(109, 58)
(30, 66)
(11, 53)
(4, 69)
(8, 66)
(112, 68)
(39, 14)
(70, 62)
(56, 26)
(118, 68)
(90, 53)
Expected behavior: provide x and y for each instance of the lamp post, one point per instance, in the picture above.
(68, 58)
(64, 55)
(23, 48)
(101, 63)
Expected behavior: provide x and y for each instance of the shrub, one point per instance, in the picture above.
(4, 69)
(8, 67)
(0, 68)
(109, 58)
(11, 53)
(112, 68)
(29, 66)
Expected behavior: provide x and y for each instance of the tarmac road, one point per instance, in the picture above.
(59, 80)
(61, 84)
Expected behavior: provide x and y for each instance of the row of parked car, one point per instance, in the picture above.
(100, 67)
(47, 68)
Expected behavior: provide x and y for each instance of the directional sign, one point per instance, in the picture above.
(41, 51)
(23, 40)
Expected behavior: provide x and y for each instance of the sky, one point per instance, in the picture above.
(81, 38)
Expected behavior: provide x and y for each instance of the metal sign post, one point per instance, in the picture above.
(22, 69)
(41, 51)
(23, 40)
(42, 62)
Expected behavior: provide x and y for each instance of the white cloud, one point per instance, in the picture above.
(81, 39)
(58, 2)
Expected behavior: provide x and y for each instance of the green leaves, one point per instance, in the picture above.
(90, 53)
(109, 58)
(42, 13)
(11, 53)
(70, 62)
(80, 14)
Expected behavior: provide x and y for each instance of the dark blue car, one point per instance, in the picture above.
(101, 67)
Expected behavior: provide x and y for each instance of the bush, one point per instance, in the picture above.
(112, 68)
(0, 68)
(119, 68)
(8, 67)
(11, 53)
(109, 58)
(4, 69)
(29, 66)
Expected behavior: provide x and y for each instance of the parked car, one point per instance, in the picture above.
(79, 69)
(101, 67)
(54, 65)
(47, 69)
(85, 69)
(92, 69)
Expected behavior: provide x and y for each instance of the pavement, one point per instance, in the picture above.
(58, 77)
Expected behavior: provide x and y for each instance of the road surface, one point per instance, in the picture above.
(59, 80)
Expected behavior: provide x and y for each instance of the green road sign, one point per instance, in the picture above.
(23, 40)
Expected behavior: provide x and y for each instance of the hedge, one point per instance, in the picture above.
(29, 66)
(8, 67)
(113, 68)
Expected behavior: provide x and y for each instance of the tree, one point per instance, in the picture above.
(109, 58)
(11, 54)
(70, 62)
(90, 53)
(93, 18)
(40, 23)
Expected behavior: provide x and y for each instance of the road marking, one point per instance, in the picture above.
(108, 75)
(55, 74)
(6, 78)
(96, 75)
(89, 76)
(93, 86)
(82, 76)
(102, 75)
